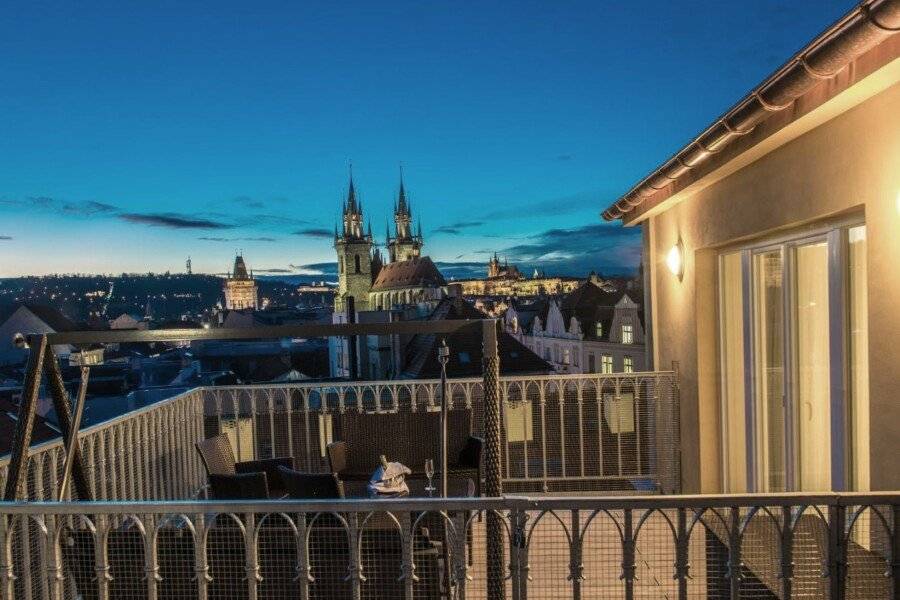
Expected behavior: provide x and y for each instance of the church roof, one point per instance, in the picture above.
(415, 272)
(240, 269)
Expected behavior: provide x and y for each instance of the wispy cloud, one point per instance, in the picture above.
(237, 239)
(599, 246)
(248, 202)
(173, 221)
(561, 205)
(457, 228)
(325, 268)
(274, 270)
(5, 238)
(314, 232)
(91, 207)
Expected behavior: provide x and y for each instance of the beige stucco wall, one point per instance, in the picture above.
(851, 162)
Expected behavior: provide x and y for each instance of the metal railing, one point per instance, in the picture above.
(560, 433)
(145, 454)
(763, 546)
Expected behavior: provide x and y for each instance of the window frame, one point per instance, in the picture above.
(835, 232)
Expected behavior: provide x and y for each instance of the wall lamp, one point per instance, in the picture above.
(675, 259)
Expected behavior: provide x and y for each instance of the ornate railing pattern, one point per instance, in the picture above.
(146, 454)
(766, 546)
(586, 432)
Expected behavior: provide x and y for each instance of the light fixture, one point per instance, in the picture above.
(675, 260)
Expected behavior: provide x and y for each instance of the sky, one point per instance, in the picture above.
(132, 137)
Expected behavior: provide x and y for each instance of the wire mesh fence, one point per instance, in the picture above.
(572, 433)
(562, 547)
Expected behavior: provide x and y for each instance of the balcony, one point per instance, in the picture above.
(588, 464)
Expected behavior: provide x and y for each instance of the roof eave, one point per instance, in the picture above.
(858, 33)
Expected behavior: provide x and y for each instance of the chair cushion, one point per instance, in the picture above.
(242, 486)
(311, 486)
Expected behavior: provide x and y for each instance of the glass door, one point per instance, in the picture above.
(811, 366)
(793, 363)
(768, 354)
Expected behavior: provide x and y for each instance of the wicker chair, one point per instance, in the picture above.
(241, 486)
(311, 486)
(337, 454)
(218, 459)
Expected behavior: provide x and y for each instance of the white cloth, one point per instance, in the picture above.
(391, 480)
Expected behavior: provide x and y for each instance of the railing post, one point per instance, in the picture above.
(787, 552)
(895, 552)
(15, 474)
(518, 554)
(628, 553)
(7, 566)
(66, 420)
(304, 577)
(201, 567)
(101, 556)
(734, 553)
(151, 562)
(576, 562)
(493, 485)
(682, 544)
(407, 567)
(837, 563)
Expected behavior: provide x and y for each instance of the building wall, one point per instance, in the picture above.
(241, 294)
(850, 163)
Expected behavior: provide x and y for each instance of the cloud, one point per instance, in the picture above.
(276, 270)
(5, 238)
(91, 207)
(248, 202)
(315, 232)
(457, 228)
(173, 221)
(600, 246)
(326, 268)
(237, 239)
(560, 205)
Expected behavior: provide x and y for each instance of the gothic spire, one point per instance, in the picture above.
(350, 204)
(402, 206)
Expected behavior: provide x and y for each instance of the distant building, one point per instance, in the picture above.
(127, 321)
(504, 279)
(589, 330)
(28, 319)
(240, 289)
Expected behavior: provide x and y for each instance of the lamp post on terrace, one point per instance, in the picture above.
(443, 358)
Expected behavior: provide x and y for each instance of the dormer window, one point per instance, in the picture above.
(599, 331)
(627, 334)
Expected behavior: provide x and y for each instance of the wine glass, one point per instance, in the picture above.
(429, 473)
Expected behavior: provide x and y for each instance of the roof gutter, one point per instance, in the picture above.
(866, 26)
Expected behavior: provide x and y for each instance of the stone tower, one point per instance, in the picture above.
(240, 289)
(354, 252)
(404, 245)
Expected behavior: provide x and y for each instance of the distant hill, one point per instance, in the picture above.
(82, 297)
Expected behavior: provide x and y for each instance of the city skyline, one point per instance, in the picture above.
(134, 141)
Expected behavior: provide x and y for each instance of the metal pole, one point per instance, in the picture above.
(496, 588)
(351, 340)
(57, 389)
(72, 442)
(15, 474)
(443, 358)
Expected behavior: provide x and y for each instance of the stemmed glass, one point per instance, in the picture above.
(429, 473)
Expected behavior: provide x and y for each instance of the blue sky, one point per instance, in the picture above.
(132, 137)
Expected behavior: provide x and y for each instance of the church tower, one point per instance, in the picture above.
(240, 289)
(404, 245)
(354, 252)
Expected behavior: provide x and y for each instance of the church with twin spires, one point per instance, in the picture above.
(376, 282)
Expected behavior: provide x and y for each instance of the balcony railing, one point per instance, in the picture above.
(560, 433)
(786, 546)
